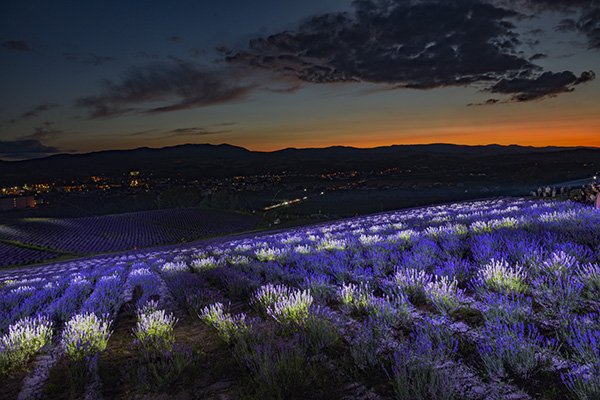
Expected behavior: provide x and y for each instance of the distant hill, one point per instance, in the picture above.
(206, 160)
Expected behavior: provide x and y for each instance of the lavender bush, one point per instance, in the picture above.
(278, 369)
(204, 264)
(583, 338)
(154, 329)
(444, 294)
(589, 276)
(584, 384)
(24, 339)
(148, 282)
(413, 283)
(516, 349)
(292, 309)
(320, 332)
(499, 276)
(509, 309)
(85, 335)
(418, 366)
(229, 327)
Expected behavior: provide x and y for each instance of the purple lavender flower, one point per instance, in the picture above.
(559, 295)
(415, 371)
(584, 383)
(511, 308)
(67, 305)
(516, 348)
(147, 280)
(105, 299)
(589, 276)
(583, 339)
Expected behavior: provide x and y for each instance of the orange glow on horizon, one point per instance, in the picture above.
(582, 133)
(457, 139)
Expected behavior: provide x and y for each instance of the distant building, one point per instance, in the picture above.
(16, 203)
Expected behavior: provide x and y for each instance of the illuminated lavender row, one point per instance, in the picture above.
(146, 280)
(31, 301)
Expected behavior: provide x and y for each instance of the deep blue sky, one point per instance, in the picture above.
(83, 76)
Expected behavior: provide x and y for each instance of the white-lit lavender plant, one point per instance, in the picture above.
(228, 326)
(24, 339)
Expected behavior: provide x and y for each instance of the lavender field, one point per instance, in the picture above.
(37, 239)
(495, 299)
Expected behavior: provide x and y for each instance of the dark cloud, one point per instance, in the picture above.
(418, 44)
(143, 133)
(190, 132)
(175, 39)
(16, 45)
(589, 24)
(485, 103)
(177, 86)
(584, 18)
(195, 52)
(538, 56)
(548, 84)
(408, 44)
(25, 148)
(184, 132)
(34, 112)
(538, 5)
(536, 32)
(43, 132)
(567, 25)
(146, 55)
(89, 59)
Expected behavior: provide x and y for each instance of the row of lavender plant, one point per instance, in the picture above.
(35, 309)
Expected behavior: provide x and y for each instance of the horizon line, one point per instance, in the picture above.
(83, 153)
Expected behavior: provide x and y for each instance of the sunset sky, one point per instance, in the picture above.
(270, 74)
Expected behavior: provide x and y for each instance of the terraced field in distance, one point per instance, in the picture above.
(35, 240)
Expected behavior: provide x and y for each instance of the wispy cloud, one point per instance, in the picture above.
(43, 132)
(16, 45)
(191, 132)
(89, 58)
(178, 86)
(583, 15)
(25, 148)
(34, 112)
(175, 39)
(32, 144)
(184, 132)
